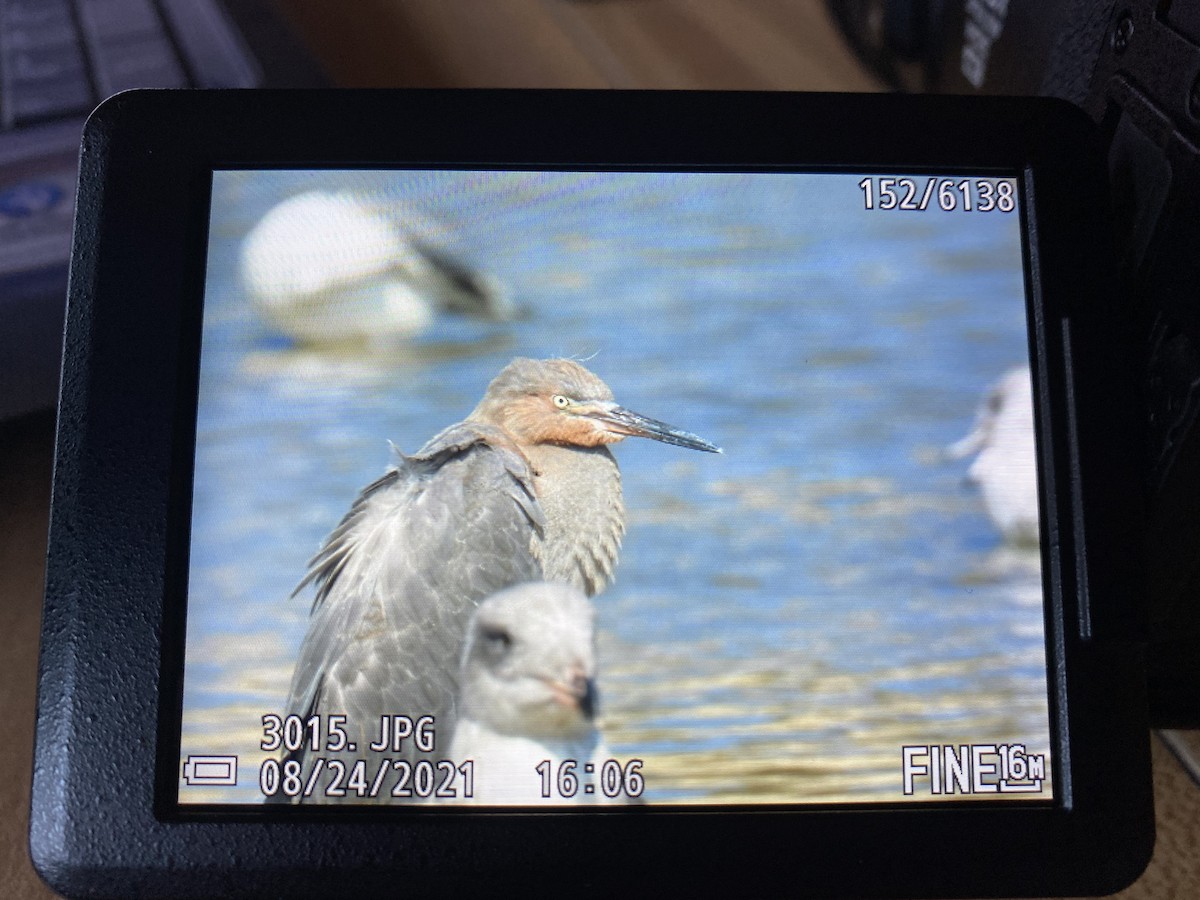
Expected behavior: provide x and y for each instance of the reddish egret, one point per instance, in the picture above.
(527, 695)
(334, 269)
(1005, 464)
(525, 489)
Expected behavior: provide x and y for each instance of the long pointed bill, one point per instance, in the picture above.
(622, 421)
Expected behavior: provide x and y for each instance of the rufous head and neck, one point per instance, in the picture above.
(558, 401)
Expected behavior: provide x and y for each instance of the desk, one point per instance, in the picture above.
(667, 44)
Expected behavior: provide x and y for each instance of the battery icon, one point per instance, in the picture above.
(210, 770)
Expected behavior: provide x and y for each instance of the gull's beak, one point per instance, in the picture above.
(577, 690)
(586, 691)
(622, 421)
(968, 445)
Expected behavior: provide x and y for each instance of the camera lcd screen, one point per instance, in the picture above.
(843, 606)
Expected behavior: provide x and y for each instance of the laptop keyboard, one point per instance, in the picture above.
(60, 58)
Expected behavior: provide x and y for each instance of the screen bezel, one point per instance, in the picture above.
(127, 429)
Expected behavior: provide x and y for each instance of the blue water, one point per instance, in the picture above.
(822, 592)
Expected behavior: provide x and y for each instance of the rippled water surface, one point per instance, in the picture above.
(786, 615)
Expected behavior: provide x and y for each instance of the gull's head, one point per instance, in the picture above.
(558, 401)
(529, 664)
(1004, 450)
(459, 288)
(1004, 418)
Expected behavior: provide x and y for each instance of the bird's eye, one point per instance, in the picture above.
(498, 640)
(560, 401)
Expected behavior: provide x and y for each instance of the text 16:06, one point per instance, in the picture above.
(572, 778)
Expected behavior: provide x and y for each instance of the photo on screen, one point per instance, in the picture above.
(842, 606)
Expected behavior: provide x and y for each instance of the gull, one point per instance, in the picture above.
(332, 269)
(1005, 464)
(527, 697)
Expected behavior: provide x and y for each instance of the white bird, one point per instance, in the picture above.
(528, 695)
(332, 268)
(1005, 465)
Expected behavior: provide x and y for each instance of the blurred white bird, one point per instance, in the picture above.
(527, 694)
(1005, 465)
(332, 268)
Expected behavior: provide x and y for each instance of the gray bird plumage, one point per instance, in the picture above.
(383, 615)
(524, 489)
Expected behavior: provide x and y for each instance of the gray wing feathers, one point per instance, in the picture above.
(399, 577)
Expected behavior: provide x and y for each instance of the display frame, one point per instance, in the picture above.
(104, 817)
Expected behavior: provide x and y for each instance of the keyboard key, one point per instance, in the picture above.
(46, 64)
(28, 101)
(33, 13)
(128, 46)
(210, 44)
(108, 20)
(32, 37)
(143, 62)
(42, 71)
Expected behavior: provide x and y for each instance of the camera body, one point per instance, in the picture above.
(824, 647)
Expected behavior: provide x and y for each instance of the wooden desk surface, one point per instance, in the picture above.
(681, 44)
(668, 44)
